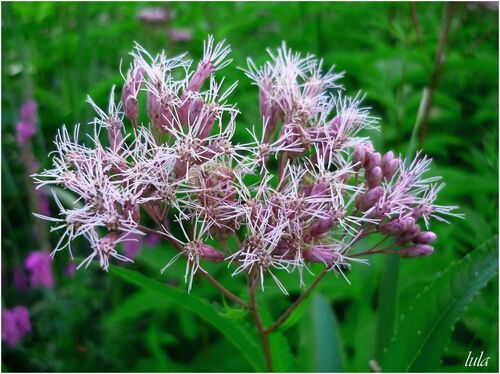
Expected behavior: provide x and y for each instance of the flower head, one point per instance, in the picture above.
(331, 190)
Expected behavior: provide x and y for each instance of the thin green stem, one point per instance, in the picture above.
(297, 302)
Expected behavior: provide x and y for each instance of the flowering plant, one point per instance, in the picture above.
(332, 189)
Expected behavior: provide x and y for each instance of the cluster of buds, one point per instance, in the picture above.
(329, 190)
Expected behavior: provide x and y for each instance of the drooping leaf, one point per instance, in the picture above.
(132, 307)
(426, 325)
(242, 339)
(320, 348)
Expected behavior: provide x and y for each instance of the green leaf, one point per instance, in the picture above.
(132, 307)
(281, 353)
(235, 314)
(320, 340)
(426, 325)
(282, 357)
(296, 314)
(387, 299)
(240, 337)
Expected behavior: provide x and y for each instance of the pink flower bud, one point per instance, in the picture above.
(373, 177)
(209, 253)
(191, 108)
(359, 156)
(130, 92)
(319, 253)
(321, 226)
(371, 197)
(272, 117)
(388, 157)
(407, 223)
(205, 70)
(390, 168)
(393, 227)
(372, 160)
(180, 168)
(425, 237)
(409, 234)
(207, 123)
(155, 111)
(265, 88)
(416, 250)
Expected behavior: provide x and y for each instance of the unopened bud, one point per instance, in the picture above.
(209, 253)
(321, 226)
(409, 234)
(371, 197)
(425, 237)
(319, 253)
(407, 223)
(393, 227)
(359, 156)
(390, 168)
(372, 160)
(388, 157)
(416, 250)
(130, 91)
(373, 177)
(205, 70)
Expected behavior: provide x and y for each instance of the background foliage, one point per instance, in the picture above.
(60, 52)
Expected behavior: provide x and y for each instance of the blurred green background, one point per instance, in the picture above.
(58, 53)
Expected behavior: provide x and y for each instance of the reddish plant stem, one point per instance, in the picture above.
(416, 25)
(264, 334)
(231, 296)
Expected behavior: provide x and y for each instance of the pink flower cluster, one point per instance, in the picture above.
(181, 168)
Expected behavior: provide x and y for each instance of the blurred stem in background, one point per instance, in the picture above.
(388, 290)
(448, 12)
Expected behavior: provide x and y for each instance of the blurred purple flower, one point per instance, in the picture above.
(15, 324)
(179, 35)
(26, 127)
(40, 269)
(132, 245)
(20, 279)
(70, 270)
(156, 15)
(43, 202)
(153, 240)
